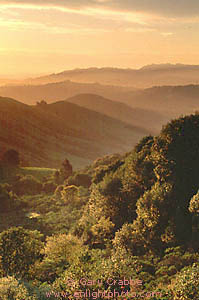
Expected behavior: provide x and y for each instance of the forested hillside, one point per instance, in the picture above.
(126, 226)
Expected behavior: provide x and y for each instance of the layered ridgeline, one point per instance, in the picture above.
(158, 104)
(147, 76)
(125, 224)
(45, 134)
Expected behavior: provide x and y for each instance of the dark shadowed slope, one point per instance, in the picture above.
(45, 136)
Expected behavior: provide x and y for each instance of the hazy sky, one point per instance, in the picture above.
(45, 36)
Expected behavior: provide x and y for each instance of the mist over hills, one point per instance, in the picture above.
(149, 108)
(169, 100)
(45, 136)
(166, 100)
(146, 118)
(94, 119)
(147, 76)
(52, 92)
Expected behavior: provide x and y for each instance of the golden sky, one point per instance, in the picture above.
(41, 37)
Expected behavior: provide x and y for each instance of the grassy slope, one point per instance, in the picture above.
(38, 173)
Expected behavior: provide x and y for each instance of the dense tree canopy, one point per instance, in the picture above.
(19, 249)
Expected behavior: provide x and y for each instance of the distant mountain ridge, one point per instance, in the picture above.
(145, 77)
(168, 66)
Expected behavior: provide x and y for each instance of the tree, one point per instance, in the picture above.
(59, 252)
(41, 103)
(176, 161)
(154, 212)
(175, 156)
(11, 158)
(66, 169)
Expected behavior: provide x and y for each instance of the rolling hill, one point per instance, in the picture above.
(149, 108)
(144, 118)
(46, 135)
(171, 101)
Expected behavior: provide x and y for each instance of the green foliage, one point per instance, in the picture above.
(59, 252)
(175, 154)
(106, 160)
(153, 212)
(108, 199)
(144, 144)
(142, 164)
(186, 284)
(105, 169)
(194, 203)
(11, 289)
(102, 232)
(38, 173)
(126, 241)
(136, 219)
(19, 249)
(61, 248)
(69, 193)
(174, 260)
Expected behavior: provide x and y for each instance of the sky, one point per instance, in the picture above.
(48, 36)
